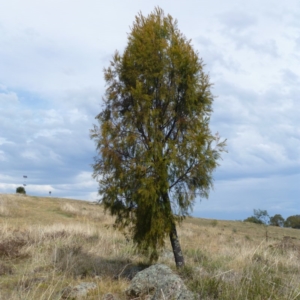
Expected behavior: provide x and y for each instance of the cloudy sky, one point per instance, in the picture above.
(52, 55)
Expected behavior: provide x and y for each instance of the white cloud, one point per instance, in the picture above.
(39, 189)
(51, 132)
(238, 21)
(8, 99)
(2, 156)
(5, 141)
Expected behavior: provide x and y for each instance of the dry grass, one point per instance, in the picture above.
(47, 244)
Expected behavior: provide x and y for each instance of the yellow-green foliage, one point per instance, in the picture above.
(154, 143)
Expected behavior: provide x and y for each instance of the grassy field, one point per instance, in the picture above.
(47, 244)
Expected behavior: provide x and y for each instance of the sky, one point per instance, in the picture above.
(52, 56)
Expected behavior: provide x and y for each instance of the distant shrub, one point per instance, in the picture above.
(253, 220)
(20, 190)
(214, 223)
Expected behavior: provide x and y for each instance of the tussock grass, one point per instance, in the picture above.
(47, 244)
(234, 260)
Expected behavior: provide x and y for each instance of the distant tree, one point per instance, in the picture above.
(293, 222)
(155, 148)
(20, 190)
(277, 220)
(259, 217)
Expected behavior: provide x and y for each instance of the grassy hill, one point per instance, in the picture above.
(47, 244)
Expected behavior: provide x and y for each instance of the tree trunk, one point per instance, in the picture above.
(178, 256)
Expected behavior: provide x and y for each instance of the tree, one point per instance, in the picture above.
(261, 215)
(20, 190)
(277, 220)
(155, 148)
(293, 222)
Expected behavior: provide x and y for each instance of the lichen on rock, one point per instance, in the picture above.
(161, 283)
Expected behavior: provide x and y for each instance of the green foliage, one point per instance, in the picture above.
(253, 220)
(155, 149)
(293, 222)
(20, 190)
(277, 220)
(259, 217)
(214, 223)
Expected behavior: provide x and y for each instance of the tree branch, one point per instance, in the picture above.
(182, 176)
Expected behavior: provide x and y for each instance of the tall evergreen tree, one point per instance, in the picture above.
(155, 149)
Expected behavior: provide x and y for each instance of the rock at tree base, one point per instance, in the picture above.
(160, 282)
